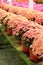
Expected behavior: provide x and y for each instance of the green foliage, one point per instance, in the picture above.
(27, 43)
(3, 18)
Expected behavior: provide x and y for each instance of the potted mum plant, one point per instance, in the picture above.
(26, 43)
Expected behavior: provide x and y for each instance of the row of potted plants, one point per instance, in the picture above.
(24, 31)
(25, 45)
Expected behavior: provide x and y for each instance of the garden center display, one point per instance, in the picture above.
(21, 32)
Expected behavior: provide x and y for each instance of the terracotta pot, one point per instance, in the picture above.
(24, 49)
(9, 32)
(6, 29)
(33, 57)
(19, 42)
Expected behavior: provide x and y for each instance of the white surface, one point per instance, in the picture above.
(9, 1)
(31, 4)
